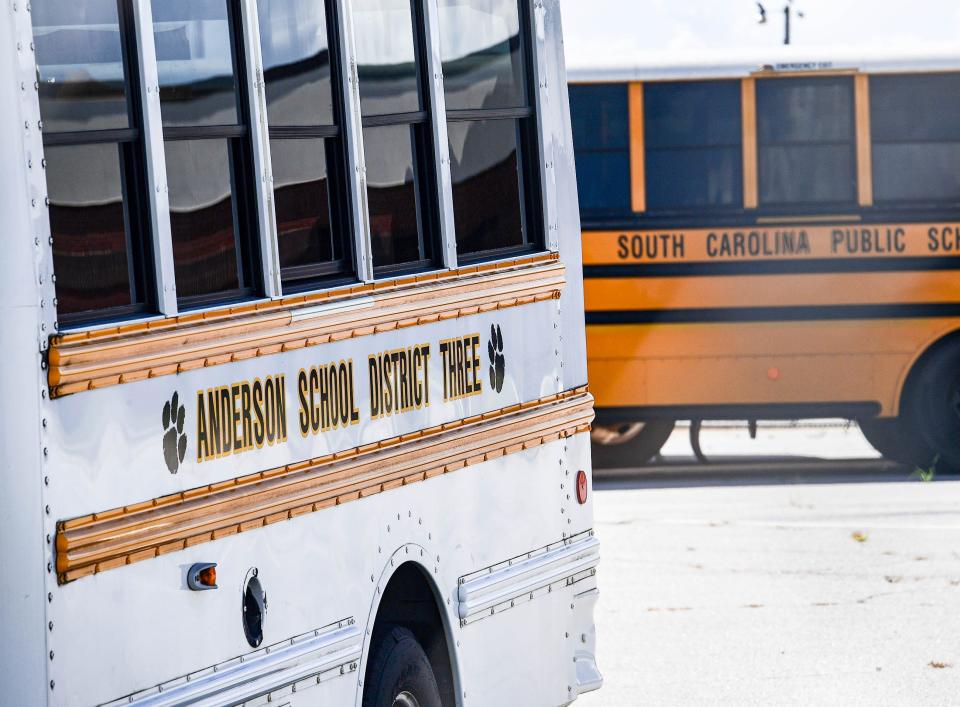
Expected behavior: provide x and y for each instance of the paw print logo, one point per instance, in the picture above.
(174, 440)
(498, 363)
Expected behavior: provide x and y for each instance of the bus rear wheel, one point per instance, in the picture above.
(399, 673)
(934, 407)
(629, 444)
(898, 440)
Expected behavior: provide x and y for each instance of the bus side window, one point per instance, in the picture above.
(915, 124)
(491, 128)
(208, 152)
(401, 183)
(601, 141)
(806, 142)
(94, 159)
(306, 142)
(693, 139)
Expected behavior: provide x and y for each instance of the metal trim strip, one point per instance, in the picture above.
(257, 674)
(495, 587)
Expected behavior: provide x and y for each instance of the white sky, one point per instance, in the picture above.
(638, 31)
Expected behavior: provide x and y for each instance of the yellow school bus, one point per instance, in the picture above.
(773, 239)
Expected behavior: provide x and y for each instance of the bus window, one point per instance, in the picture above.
(490, 127)
(601, 139)
(915, 124)
(806, 142)
(395, 135)
(94, 155)
(207, 152)
(692, 135)
(305, 141)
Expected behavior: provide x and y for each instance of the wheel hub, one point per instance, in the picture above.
(405, 699)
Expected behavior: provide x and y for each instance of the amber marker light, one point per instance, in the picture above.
(773, 373)
(202, 576)
(581, 487)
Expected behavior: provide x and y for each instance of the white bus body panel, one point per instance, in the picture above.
(136, 634)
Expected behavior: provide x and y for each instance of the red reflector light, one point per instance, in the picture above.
(581, 487)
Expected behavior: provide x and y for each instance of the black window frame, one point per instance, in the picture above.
(131, 145)
(239, 139)
(736, 205)
(528, 152)
(305, 278)
(803, 208)
(426, 181)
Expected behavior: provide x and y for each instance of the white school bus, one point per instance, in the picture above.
(293, 404)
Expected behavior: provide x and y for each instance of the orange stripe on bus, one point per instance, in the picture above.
(723, 291)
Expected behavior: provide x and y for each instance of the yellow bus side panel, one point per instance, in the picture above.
(640, 365)
(724, 291)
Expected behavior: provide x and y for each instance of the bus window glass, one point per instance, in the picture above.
(80, 65)
(303, 207)
(805, 142)
(207, 155)
(296, 62)
(195, 62)
(88, 224)
(305, 140)
(601, 140)
(916, 151)
(395, 135)
(201, 216)
(693, 135)
(491, 131)
(482, 58)
(395, 230)
(386, 57)
(485, 169)
(94, 158)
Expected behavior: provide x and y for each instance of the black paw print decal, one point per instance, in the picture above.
(497, 361)
(174, 440)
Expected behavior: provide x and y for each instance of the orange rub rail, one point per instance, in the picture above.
(122, 536)
(135, 352)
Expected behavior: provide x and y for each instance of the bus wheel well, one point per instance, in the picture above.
(945, 342)
(409, 601)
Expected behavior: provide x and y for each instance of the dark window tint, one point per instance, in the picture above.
(601, 141)
(692, 114)
(491, 127)
(208, 151)
(88, 221)
(482, 58)
(202, 217)
(194, 41)
(915, 125)
(805, 136)
(386, 56)
(306, 142)
(80, 65)
(302, 202)
(487, 184)
(296, 59)
(95, 159)
(395, 229)
(693, 136)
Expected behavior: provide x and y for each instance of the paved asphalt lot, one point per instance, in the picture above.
(778, 581)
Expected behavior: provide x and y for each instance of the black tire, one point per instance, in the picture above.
(398, 668)
(635, 451)
(933, 406)
(898, 440)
